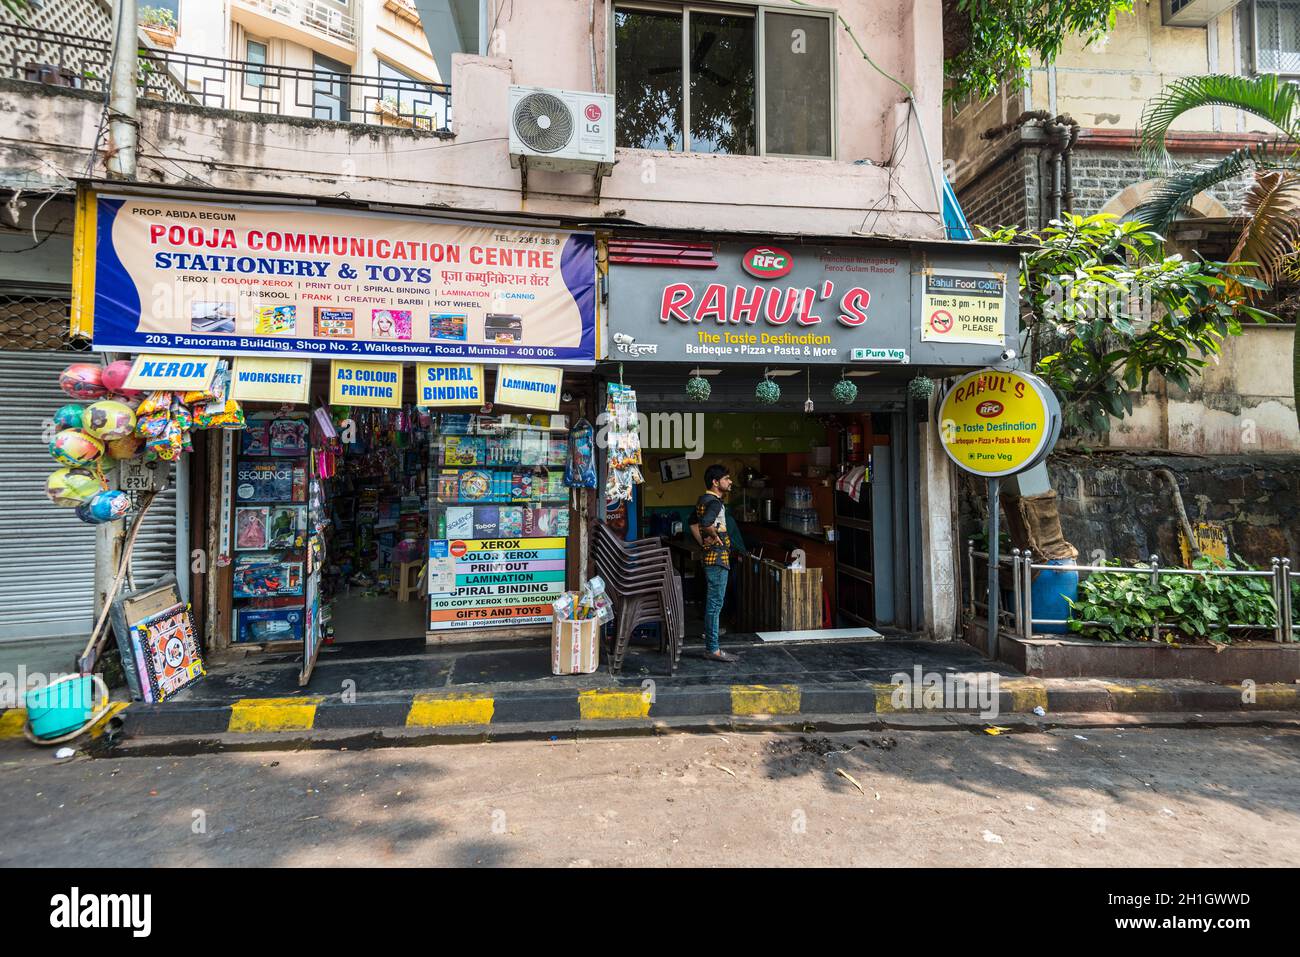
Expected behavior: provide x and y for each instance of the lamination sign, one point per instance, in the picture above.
(180, 276)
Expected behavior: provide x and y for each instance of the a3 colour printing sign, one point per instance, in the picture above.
(506, 581)
(165, 275)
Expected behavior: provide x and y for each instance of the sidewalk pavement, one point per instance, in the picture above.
(408, 687)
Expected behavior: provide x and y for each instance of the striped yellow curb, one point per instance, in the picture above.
(1142, 697)
(435, 710)
(765, 699)
(100, 726)
(1026, 694)
(274, 714)
(1270, 697)
(11, 723)
(885, 699)
(600, 705)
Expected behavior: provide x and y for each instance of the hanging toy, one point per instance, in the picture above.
(69, 416)
(115, 375)
(108, 420)
(104, 507)
(73, 486)
(75, 448)
(580, 470)
(127, 447)
(83, 380)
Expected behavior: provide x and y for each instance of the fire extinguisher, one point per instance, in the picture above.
(855, 443)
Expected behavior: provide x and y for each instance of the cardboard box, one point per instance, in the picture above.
(575, 646)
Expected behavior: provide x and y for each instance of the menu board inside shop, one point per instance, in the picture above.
(180, 276)
(510, 581)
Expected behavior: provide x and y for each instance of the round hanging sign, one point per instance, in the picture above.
(995, 423)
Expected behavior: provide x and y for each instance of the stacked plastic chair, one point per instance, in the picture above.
(640, 581)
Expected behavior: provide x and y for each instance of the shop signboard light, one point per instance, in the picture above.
(996, 422)
(255, 379)
(372, 384)
(442, 384)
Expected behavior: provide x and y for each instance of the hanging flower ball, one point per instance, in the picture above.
(768, 392)
(698, 389)
(920, 387)
(845, 391)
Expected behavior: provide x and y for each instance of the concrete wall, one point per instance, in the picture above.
(1241, 404)
(548, 44)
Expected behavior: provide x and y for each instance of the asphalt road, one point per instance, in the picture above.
(1173, 797)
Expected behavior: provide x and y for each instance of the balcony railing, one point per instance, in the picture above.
(59, 59)
(334, 20)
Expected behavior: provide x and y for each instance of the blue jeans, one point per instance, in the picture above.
(715, 576)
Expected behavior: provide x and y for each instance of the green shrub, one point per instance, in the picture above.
(1190, 607)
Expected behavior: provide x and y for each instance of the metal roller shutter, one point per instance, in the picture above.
(47, 555)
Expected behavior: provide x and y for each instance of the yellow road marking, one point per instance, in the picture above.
(274, 714)
(765, 699)
(436, 710)
(601, 705)
(11, 722)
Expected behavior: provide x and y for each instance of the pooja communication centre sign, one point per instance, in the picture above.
(158, 275)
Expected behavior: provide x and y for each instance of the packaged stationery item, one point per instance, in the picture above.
(460, 523)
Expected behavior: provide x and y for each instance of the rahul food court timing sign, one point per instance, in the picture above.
(172, 276)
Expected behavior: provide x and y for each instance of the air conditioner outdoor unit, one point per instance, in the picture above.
(1193, 13)
(561, 130)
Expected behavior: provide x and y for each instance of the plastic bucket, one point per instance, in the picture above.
(63, 706)
(1051, 588)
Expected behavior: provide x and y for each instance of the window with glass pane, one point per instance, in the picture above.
(408, 96)
(1277, 32)
(722, 83)
(797, 91)
(330, 89)
(255, 52)
(648, 79)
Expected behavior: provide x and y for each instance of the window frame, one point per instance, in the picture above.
(249, 71)
(733, 8)
(1255, 48)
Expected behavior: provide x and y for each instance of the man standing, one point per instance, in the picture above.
(709, 526)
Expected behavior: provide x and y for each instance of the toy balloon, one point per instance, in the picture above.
(73, 486)
(69, 416)
(83, 380)
(108, 420)
(115, 376)
(74, 447)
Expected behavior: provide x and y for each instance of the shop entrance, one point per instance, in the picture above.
(811, 494)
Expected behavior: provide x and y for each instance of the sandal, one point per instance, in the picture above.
(719, 656)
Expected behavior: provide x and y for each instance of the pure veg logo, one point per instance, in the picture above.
(767, 262)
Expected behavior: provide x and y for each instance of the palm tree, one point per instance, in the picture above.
(1271, 233)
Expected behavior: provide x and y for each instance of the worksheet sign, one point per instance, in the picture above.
(185, 276)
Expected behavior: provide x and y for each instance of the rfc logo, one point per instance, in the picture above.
(75, 909)
(767, 262)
